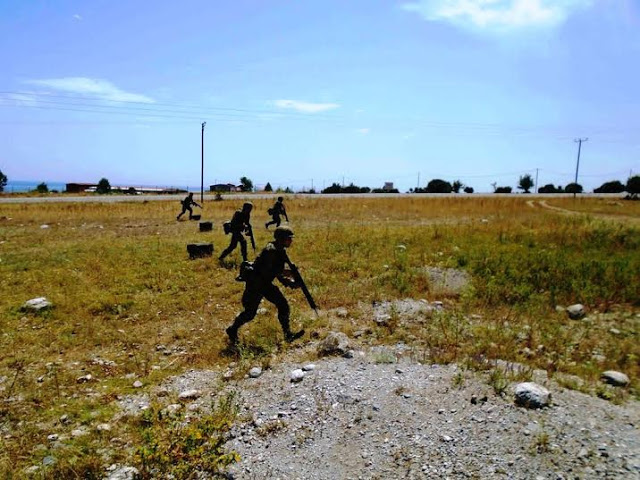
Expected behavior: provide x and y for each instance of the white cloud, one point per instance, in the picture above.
(93, 87)
(364, 131)
(77, 17)
(305, 107)
(497, 14)
(22, 99)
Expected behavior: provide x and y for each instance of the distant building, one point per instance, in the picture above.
(225, 187)
(388, 186)
(80, 187)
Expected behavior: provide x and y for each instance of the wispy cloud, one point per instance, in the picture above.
(364, 131)
(77, 17)
(305, 107)
(94, 87)
(25, 99)
(497, 15)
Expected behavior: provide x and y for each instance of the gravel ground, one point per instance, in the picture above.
(351, 418)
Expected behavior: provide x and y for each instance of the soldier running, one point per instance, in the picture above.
(186, 206)
(240, 223)
(275, 212)
(259, 277)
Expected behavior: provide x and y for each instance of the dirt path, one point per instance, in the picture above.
(628, 219)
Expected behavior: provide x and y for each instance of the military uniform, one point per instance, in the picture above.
(277, 210)
(268, 266)
(186, 206)
(239, 224)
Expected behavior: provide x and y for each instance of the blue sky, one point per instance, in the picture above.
(320, 91)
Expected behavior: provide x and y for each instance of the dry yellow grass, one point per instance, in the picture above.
(125, 291)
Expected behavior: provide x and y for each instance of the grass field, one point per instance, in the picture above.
(125, 294)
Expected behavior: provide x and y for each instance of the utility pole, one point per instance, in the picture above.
(418, 185)
(537, 180)
(579, 142)
(202, 164)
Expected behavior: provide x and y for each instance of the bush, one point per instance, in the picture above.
(573, 188)
(633, 186)
(614, 186)
(42, 188)
(468, 189)
(103, 186)
(439, 186)
(525, 183)
(549, 188)
(503, 190)
(3, 181)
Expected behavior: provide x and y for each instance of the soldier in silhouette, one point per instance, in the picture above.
(186, 206)
(275, 212)
(240, 223)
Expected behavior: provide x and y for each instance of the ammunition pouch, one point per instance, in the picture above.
(270, 211)
(226, 226)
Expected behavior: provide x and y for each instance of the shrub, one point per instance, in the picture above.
(573, 188)
(103, 186)
(439, 186)
(614, 186)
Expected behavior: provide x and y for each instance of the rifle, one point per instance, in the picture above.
(298, 279)
(250, 233)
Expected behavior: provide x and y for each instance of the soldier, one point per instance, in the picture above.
(239, 225)
(275, 212)
(186, 205)
(269, 265)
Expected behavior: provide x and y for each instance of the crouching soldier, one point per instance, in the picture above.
(186, 206)
(275, 212)
(259, 277)
(240, 223)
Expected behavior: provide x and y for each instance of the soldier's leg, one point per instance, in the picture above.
(233, 244)
(181, 213)
(250, 300)
(278, 221)
(275, 296)
(243, 246)
(190, 212)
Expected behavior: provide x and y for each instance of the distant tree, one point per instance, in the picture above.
(468, 189)
(633, 186)
(131, 191)
(268, 187)
(288, 190)
(351, 188)
(42, 188)
(3, 181)
(614, 186)
(549, 188)
(103, 186)
(456, 186)
(439, 186)
(333, 188)
(246, 185)
(503, 190)
(525, 183)
(573, 188)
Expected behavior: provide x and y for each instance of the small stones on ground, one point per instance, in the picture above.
(53, 437)
(532, 395)
(342, 312)
(48, 460)
(255, 372)
(137, 384)
(189, 394)
(37, 304)
(617, 379)
(103, 427)
(576, 312)
(309, 367)
(118, 472)
(297, 375)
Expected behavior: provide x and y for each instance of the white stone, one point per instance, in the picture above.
(137, 384)
(255, 372)
(618, 379)
(576, 311)
(37, 304)
(189, 394)
(532, 395)
(309, 367)
(297, 375)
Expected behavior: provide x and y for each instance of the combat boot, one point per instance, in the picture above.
(291, 337)
(232, 332)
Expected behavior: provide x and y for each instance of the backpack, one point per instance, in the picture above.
(270, 211)
(246, 271)
(226, 226)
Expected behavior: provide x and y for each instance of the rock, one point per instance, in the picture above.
(137, 384)
(48, 460)
(53, 437)
(297, 375)
(576, 311)
(36, 304)
(79, 432)
(532, 395)
(44, 226)
(342, 312)
(84, 378)
(255, 372)
(118, 472)
(173, 408)
(103, 427)
(189, 394)
(617, 379)
(309, 367)
(334, 343)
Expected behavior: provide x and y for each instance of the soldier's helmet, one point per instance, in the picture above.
(283, 232)
(280, 199)
(247, 206)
